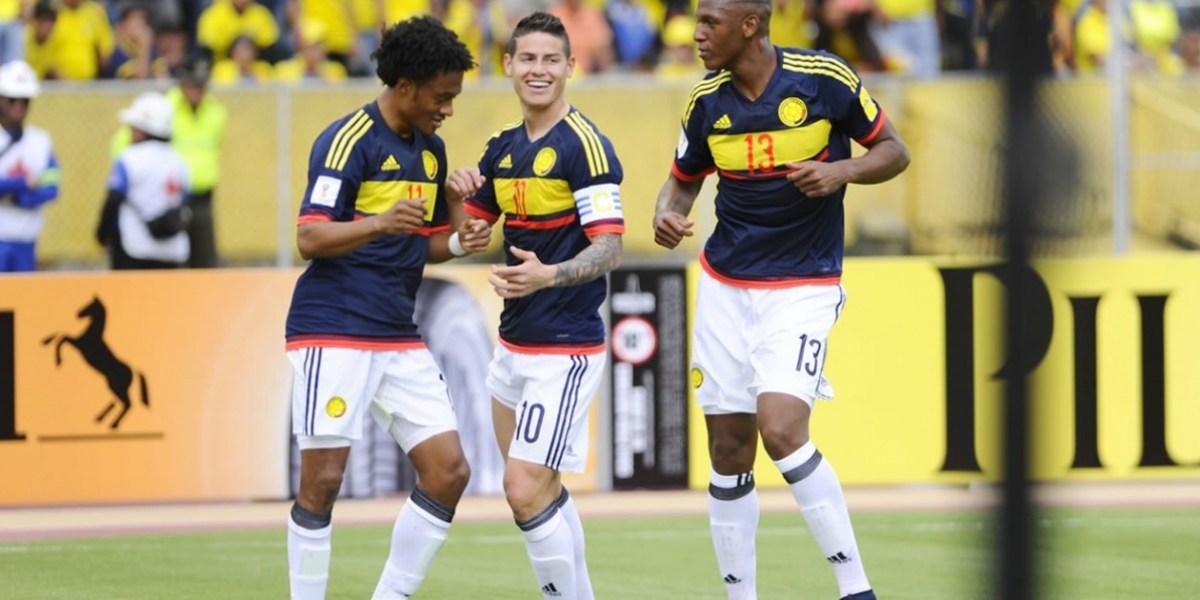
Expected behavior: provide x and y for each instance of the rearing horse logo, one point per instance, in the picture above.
(95, 351)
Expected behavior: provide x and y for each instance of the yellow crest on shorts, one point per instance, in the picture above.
(793, 111)
(431, 163)
(697, 378)
(544, 161)
(336, 407)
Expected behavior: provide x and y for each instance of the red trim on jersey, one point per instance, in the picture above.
(870, 137)
(547, 224)
(315, 217)
(479, 212)
(352, 343)
(557, 350)
(680, 175)
(603, 228)
(767, 284)
(432, 229)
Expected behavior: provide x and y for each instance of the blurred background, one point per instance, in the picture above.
(283, 69)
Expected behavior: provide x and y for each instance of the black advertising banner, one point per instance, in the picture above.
(649, 377)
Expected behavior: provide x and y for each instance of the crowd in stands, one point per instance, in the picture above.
(257, 41)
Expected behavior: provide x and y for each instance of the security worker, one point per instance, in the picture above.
(29, 174)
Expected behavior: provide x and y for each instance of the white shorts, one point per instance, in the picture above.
(746, 342)
(552, 394)
(333, 387)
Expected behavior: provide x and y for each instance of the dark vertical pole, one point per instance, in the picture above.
(1022, 185)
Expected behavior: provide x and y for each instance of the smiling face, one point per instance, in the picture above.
(426, 106)
(539, 67)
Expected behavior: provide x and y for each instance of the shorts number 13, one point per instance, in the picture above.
(807, 362)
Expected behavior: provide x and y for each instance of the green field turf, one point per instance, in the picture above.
(1107, 554)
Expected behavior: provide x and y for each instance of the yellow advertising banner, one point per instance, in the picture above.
(174, 386)
(916, 364)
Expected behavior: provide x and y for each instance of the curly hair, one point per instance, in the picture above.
(543, 22)
(418, 50)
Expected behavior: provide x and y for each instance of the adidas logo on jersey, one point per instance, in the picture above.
(723, 123)
(390, 164)
(550, 590)
(506, 162)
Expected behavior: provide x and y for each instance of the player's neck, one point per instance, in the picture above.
(387, 108)
(754, 69)
(539, 120)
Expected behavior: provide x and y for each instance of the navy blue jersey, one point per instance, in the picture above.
(553, 193)
(359, 167)
(768, 233)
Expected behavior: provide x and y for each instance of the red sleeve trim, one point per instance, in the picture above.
(617, 228)
(315, 217)
(870, 137)
(680, 175)
(475, 209)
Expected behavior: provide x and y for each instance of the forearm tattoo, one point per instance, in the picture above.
(597, 259)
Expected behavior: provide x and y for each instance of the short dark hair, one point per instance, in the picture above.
(543, 22)
(44, 10)
(418, 50)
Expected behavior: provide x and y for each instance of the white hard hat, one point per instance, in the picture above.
(18, 80)
(151, 112)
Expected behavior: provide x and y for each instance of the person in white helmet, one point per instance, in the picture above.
(29, 172)
(145, 217)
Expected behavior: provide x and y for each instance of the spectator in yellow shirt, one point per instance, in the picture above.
(243, 66)
(40, 51)
(312, 63)
(791, 24)
(1155, 31)
(481, 25)
(227, 20)
(338, 19)
(679, 60)
(83, 41)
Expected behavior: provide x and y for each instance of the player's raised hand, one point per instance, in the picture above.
(523, 279)
(475, 235)
(817, 179)
(463, 183)
(670, 228)
(405, 216)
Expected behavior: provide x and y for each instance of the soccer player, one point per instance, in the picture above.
(555, 180)
(775, 124)
(373, 214)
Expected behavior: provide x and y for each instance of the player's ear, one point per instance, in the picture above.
(508, 64)
(570, 66)
(404, 87)
(750, 26)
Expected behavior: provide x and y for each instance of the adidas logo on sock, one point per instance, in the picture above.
(838, 558)
(723, 123)
(390, 164)
(730, 579)
(550, 590)
(506, 162)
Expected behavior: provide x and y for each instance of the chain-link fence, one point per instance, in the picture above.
(945, 204)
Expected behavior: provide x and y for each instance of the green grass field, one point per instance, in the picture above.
(1106, 554)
